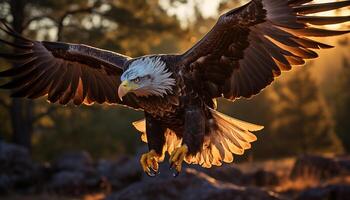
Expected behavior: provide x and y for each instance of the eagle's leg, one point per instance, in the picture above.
(156, 140)
(177, 157)
(149, 162)
(193, 137)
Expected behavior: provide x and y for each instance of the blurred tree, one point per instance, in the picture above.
(302, 122)
(341, 100)
(20, 110)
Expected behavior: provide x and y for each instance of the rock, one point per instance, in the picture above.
(331, 192)
(17, 170)
(67, 179)
(320, 168)
(14, 159)
(74, 182)
(74, 173)
(192, 185)
(261, 178)
(344, 163)
(230, 174)
(120, 173)
(225, 173)
(75, 161)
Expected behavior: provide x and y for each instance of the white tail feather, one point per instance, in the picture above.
(232, 136)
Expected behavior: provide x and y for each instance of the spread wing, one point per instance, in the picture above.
(251, 45)
(64, 72)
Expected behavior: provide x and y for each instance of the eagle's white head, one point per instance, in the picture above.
(146, 77)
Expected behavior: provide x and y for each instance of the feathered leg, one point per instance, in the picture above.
(156, 140)
(193, 138)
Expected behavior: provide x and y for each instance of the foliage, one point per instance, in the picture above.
(302, 122)
(104, 131)
(341, 100)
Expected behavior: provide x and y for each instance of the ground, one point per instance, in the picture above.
(76, 175)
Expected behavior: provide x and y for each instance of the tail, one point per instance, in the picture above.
(231, 136)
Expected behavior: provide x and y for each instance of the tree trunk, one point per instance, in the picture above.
(21, 110)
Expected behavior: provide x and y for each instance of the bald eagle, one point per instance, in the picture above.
(244, 52)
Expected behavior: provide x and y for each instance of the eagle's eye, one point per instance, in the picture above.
(136, 80)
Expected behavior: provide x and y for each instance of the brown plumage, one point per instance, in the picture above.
(259, 41)
(243, 53)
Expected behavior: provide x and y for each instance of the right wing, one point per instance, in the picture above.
(252, 45)
(64, 72)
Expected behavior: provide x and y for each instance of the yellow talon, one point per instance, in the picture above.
(149, 162)
(177, 157)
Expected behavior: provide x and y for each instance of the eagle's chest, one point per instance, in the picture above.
(161, 107)
(169, 106)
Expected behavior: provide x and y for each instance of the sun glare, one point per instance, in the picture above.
(209, 8)
(186, 11)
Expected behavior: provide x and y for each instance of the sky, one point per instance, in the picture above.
(185, 11)
(209, 8)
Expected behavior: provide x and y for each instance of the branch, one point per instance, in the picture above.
(60, 26)
(38, 18)
(49, 111)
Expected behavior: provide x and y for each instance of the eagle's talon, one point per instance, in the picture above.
(149, 163)
(172, 166)
(176, 174)
(176, 159)
(151, 173)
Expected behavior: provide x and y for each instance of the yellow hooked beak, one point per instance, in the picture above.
(125, 87)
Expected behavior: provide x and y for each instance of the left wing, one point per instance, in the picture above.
(251, 45)
(64, 72)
